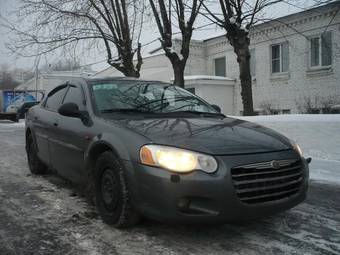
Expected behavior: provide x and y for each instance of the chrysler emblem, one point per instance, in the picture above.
(275, 164)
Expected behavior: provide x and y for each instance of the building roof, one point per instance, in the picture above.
(58, 74)
(316, 9)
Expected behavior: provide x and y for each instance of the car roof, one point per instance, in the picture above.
(108, 78)
(112, 78)
(94, 79)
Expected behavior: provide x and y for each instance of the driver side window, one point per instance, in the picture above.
(55, 98)
(75, 95)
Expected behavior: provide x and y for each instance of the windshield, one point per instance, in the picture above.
(148, 97)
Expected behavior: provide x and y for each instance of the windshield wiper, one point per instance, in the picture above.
(203, 114)
(124, 110)
(135, 110)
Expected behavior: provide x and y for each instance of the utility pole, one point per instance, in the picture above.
(36, 77)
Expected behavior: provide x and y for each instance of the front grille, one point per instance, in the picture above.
(267, 181)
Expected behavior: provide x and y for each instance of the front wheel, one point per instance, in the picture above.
(112, 195)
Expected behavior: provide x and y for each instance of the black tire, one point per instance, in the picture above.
(111, 191)
(36, 166)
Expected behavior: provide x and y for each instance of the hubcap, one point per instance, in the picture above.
(109, 189)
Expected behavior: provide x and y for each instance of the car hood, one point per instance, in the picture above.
(210, 135)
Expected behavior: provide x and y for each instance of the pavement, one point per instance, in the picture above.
(46, 215)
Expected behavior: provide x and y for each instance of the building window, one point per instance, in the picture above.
(252, 63)
(220, 67)
(280, 57)
(286, 111)
(315, 111)
(321, 50)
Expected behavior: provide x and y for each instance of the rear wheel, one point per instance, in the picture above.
(14, 118)
(112, 194)
(35, 164)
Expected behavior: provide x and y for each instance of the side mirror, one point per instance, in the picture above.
(70, 110)
(216, 107)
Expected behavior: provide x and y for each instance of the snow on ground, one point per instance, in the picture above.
(7, 124)
(317, 135)
(45, 215)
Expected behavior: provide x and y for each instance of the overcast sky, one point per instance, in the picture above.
(7, 7)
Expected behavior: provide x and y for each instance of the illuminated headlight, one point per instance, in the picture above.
(297, 148)
(177, 160)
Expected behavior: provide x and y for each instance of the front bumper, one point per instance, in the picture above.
(198, 197)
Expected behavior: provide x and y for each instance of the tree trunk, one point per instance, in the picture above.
(131, 72)
(243, 59)
(239, 39)
(128, 72)
(179, 74)
(127, 66)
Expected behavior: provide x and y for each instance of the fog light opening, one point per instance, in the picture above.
(183, 204)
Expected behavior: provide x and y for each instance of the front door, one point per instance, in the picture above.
(39, 121)
(43, 121)
(71, 137)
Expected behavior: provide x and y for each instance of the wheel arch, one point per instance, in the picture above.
(94, 151)
(28, 132)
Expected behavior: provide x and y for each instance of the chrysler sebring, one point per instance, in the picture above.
(152, 149)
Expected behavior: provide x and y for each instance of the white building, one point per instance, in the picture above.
(46, 81)
(295, 65)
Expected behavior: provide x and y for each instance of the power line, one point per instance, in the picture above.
(330, 22)
(148, 43)
(104, 60)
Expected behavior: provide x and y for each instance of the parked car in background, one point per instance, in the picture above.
(156, 150)
(23, 109)
(14, 103)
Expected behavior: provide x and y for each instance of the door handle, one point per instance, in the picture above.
(55, 124)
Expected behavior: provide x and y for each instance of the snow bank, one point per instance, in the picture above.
(7, 124)
(294, 118)
(317, 135)
(325, 170)
(207, 77)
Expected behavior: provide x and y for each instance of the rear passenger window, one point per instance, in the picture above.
(55, 98)
(75, 95)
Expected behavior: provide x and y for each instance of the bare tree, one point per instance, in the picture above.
(67, 64)
(236, 18)
(114, 24)
(327, 103)
(184, 13)
(266, 107)
(308, 104)
(7, 80)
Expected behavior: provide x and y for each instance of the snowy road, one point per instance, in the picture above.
(43, 215)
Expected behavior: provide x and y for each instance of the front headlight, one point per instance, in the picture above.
(297, 148)
(177, 160)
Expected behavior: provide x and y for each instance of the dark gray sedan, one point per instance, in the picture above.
(153, 149)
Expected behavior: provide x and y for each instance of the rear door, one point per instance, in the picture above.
(43, 121)
(71, 138)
